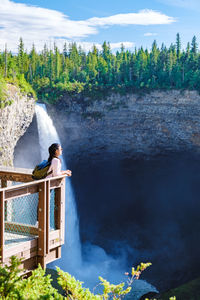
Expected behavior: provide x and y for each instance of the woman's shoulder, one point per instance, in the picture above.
(55, 160)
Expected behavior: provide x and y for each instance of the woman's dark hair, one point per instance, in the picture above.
(52, 151)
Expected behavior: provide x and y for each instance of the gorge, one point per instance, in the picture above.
(135, 162)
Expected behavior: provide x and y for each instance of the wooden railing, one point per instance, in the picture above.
(45, 244)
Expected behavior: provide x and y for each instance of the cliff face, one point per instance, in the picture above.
(133, 124)
(14, 120)
(130, 203)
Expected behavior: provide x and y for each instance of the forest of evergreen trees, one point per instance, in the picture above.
(52, 72)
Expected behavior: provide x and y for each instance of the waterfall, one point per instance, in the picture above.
(95, 260)
(71, 251)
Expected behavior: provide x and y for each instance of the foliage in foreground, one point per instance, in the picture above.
(74, 289)
(38, 285)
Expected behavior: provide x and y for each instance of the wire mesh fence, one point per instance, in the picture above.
(21, 216)
(23, 210)
(52, 210)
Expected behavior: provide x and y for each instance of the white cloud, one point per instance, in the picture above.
(35, 24)
(143, 17)
(150, 34)
(40, 25)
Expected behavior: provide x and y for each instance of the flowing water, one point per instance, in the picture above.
(71, 251)
(86, 262)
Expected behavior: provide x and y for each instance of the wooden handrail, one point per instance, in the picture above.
(14, 174)
(43, 187)
(31, 183)
(13, 170)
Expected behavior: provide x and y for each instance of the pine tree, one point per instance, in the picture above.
(57, 62)
(21, 56)
(65, 50)
(194, 45)
(6, 62)
(178, 45)
(32, 65)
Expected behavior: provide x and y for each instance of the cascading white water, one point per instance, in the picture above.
(71, 251)
(95, 262)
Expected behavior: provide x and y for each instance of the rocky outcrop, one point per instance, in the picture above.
(133, 124)
(14, 120)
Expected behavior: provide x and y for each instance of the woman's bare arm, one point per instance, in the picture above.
(67, 172)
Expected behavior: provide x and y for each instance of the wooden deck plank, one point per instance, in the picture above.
(20, 244)
(11, 238)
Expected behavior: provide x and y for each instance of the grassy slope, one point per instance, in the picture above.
(188, 291)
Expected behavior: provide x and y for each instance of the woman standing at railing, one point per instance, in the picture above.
(55, 150)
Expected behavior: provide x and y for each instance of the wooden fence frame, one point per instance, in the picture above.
(47, 246)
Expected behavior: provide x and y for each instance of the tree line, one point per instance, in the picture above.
(51, 71)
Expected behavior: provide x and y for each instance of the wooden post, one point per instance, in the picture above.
(47, 215)
(62, 211)
(2, 208)
(4, 184)
(42, 223)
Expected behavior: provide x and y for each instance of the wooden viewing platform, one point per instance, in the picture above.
(32, 217)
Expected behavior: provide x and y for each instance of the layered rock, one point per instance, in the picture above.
(14, 120)
(130, 124)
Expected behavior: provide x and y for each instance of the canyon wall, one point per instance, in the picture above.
(147, 209)
(132, 125)
(14, 120)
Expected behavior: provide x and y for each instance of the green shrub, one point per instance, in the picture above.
(74, 289)
(3, 94)
(38, 286)
(24, 86)
(76, 87)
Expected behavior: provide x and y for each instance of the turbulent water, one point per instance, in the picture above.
(145, 209)
(86, 262)
(71, 251)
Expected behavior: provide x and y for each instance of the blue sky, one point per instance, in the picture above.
(132, 22)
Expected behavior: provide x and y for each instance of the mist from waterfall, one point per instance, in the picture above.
(85, 262)
(71, 251)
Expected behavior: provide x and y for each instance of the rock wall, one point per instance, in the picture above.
(132, 124)
(14, 120)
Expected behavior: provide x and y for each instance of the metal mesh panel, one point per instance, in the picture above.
(21, 219)
(52, 210)
(24, 209)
